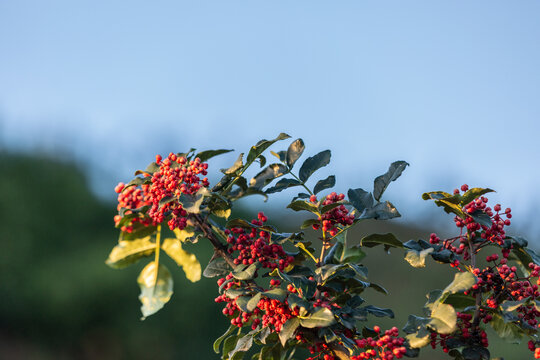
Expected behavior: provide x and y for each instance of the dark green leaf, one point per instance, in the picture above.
(238, 164)
(309, 222)
(220, 339)
(242, 302)
(379, 312)
(294, 152)
(247, 273)
(301, 196)
(327, 183)
(388, 240)
(192, 203)
(150, 169)
(313, 164)
(476, 353)
(506, 330)
(299, 205)
(460, 301)
(381, 211)
(320, 318)
(229, 344)
(481, 218)
(360, 199)
(262, 160)
(252, 303)
(382, 182)
(269, 173)
(329, 207)
(208, 154)
(415, 323)
(216, 267)
(276, 294)
(282, 185)
(261, 146)
(288, 329)
(435, 195)
(243, 344)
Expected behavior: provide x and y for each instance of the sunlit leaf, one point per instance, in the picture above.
(129, 252)
(294, 152)
(186, 260)
(156, 288)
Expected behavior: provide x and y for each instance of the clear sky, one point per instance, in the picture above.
(453, 87)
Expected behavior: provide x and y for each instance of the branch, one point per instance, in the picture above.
(219, 248)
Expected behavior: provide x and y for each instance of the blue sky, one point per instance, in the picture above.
(451, 87)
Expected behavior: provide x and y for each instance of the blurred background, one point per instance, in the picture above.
(92, 90)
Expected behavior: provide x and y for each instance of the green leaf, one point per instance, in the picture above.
(513, 305)
(150, 169)
(299, 205)
(415, 323)
(192, 203)
(481, 218)
(379, 312)
(288, 329)
(435, 195)
(220, 339)
(354, 254)
(313, 164)
(208, 154)
(269, 173)
(247, 273)
(473, 194)
(327, 183)
(229, 344)
(460, 301)
(276, 294)
(294, 152)
(329, 207)
(252, 303)
(360, 199)
(416, 258)
(382, 182)
(320, 318)
(506, 330)
(238, 164)
(217, 266)
(184, 259)
(129, 252)
(309, 223)
(443, 318)
(301, 196)
(476, 353)
(388, 240)
(156, 288)
(243, 344)
(261, 146)
(282, 185)
(381, 211)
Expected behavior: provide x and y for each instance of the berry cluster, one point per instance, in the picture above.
(270, 313)
(334, 217)
(467, 332)
(383, 347)
(176, 176)
(473, 230)
(254, 245)
(132, 198)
